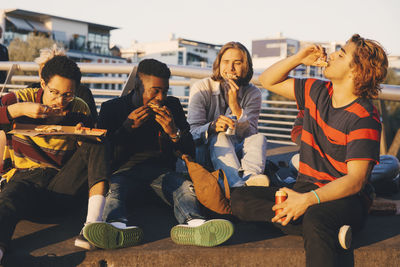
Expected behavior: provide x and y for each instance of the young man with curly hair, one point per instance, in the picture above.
(46, 174)
(339, 147)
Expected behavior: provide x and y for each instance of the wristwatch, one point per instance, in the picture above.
(178, 135)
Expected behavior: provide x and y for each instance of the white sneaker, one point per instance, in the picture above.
(345, 236)
(82, 242)
(258, 180)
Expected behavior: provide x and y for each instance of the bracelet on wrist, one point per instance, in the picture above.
(316, 195)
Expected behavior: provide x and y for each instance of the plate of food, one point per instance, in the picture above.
(35, 130)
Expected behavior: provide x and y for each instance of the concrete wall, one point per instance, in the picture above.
(69, 27)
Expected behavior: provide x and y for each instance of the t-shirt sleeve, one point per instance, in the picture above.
(299, 90)
(363, 140)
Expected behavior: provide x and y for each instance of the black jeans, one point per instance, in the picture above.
(34, 191)
(319, 225)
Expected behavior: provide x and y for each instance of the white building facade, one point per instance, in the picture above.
(175, 51)
(84, 41)
(266, 52)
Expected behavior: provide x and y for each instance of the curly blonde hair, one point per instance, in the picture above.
(48, 53)
(370, 64)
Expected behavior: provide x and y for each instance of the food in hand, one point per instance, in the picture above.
(55, 111)
(153, 105)
(321, 63)
(231, 76)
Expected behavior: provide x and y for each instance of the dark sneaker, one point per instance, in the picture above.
(209, 234)
(82, 242)
(345, 236)
(107, 236)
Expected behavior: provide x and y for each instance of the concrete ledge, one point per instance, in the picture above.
(51, 244)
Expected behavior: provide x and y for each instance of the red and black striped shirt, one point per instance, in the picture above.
(333, 136)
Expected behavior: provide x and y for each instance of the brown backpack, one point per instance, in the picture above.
(208, 191)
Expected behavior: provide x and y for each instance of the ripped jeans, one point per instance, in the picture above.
(170, 186)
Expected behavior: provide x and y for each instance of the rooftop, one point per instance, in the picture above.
(49, 242)
(42, 17)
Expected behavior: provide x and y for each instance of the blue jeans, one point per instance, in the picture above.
(387, 169)
(233, 155)
(171, 186)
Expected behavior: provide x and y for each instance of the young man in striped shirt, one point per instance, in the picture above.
(339, 147)
(46, 173)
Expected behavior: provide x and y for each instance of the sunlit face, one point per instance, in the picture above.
(232, 64)
(58, 92)
(339, 63)
(155, 89)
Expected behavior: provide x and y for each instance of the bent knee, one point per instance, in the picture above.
(258, 139)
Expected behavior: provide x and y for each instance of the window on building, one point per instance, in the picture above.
(77, 42)
(98, 43)
(180, 58)
(291, 50)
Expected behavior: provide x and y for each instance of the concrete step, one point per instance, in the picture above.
(50, 242)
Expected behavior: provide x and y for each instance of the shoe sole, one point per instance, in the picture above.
(345, 236)
(209, 234)
(104, 235)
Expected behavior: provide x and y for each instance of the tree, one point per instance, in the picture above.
(28, 50)
(392, 77)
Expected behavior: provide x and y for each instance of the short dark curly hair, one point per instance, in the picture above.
(62, 66)
(154, 68)
(370, 65)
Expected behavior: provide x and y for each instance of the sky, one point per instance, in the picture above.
(221, 21)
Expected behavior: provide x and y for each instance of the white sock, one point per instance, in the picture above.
(95, 208)
(196, 222)
(119, 224)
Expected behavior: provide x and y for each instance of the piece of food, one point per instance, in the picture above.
(321, 63)
(231, 76)
(48, 128)
(153, 105)
(56, 111)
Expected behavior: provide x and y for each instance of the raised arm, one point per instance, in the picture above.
(275, 78)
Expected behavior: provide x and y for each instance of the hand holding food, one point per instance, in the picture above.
(313, 55)
(139, 116)
(164, 117)
(29, 109)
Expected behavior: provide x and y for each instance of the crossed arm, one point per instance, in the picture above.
(350, 184)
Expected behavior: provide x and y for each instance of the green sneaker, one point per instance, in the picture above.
(209, 234)
(107, 236)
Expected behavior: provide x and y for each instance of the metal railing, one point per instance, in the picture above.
(276, 118)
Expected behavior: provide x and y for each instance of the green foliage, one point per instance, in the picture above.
(19, 50)
(393, 107)
(392, 78)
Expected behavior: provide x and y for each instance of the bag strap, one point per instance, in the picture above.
(226, 184)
